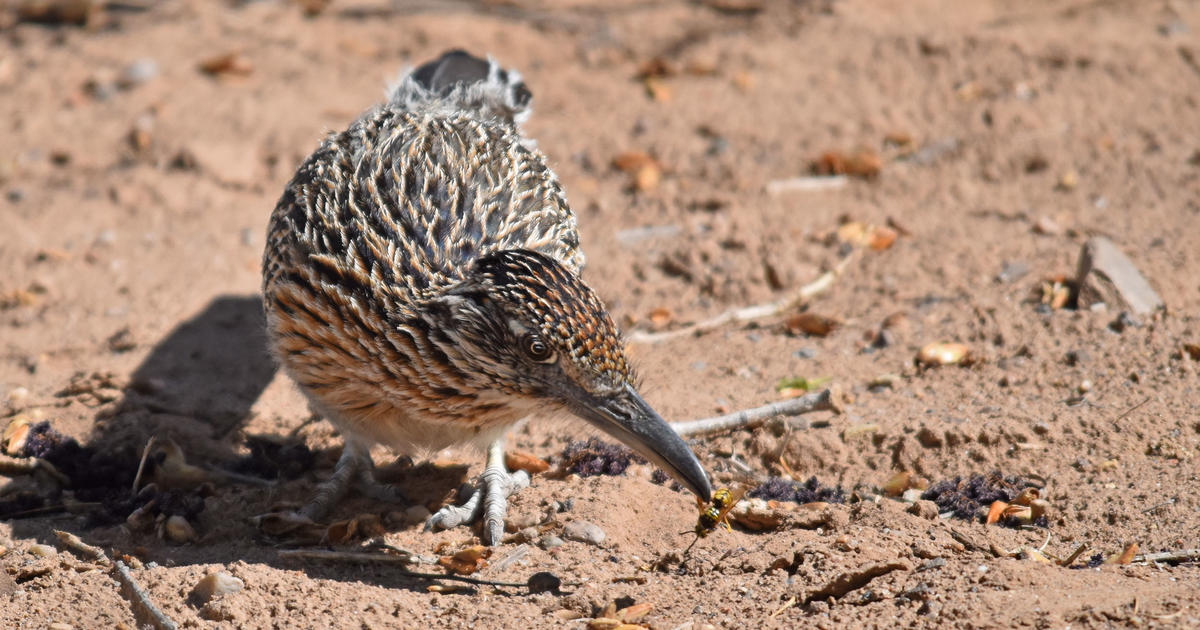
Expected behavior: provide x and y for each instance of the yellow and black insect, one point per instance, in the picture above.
(716, 512)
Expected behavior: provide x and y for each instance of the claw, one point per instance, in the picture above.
(489, 499)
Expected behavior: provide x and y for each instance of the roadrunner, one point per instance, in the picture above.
(421, 284)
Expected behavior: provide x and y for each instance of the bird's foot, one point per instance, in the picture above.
(487, 500)
(354, 469)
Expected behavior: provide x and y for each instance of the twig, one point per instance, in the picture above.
(381, 558)
(786, 605)
(806, 184)
(818, 401)
(13, 466)
(137, 479)
(1075, 554)
(751, 313)
(345, 556)
(141, 600)
(1131, 409)
(1158, 506)
(1169, 557)
(71, 541)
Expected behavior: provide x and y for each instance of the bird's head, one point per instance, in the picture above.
(534, 332)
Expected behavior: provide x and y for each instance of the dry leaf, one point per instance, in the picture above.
(996, 511)
(630, 614)
(15, 435)
(656, 67)
(631, 161)
(881, 238)
(660, 316)
(1035, 555)
(901, 139)
(811, 324)
(900, 482)
(1027, 496)
(852, 232)
(1126, 556)
(231, 63)
(1056, 292)
(864, 163)
(658, 91)
(466, 561)
(935, 354)
(1020, 512)
(647, 178)
(532, 464)
(359, 527)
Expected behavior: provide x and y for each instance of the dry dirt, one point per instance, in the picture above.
(1009, 132)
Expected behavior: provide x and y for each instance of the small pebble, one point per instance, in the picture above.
(138, 72)
(60, 626)
(1012, 271)
(216, 585)
(584, 531)
(805, 353)
(550, 541)
(106, 237)
(934, 563)
(178, 530)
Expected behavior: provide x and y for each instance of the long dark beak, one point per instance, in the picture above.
(627, 417)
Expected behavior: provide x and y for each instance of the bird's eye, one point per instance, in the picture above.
(537, 349)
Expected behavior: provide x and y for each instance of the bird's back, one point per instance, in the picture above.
(398, 206)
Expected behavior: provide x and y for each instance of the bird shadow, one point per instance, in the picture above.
(197, 387)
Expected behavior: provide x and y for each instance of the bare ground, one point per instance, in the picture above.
(133, 215)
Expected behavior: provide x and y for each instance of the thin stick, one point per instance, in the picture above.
(345, 556)
(750, 313)
(788, 604)
(140, 599)
(137, 479)
(1169, 557)
(381, 558)
(1131, 409)
(818, 401)
(1158, 506)
(13, 466)
(806, 184)
(71, 541)
(1071, 558)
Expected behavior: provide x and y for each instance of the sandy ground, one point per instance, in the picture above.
(136, 188)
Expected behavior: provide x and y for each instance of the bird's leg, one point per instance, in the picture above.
(354, 468)
(489, 499)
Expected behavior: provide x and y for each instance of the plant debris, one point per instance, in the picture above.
(808, 323)
(863, 163)
(943, 353)
(466, 561)
(966, 498)
(275, 459)
(811, 491)
(596, 457)
(797, 386)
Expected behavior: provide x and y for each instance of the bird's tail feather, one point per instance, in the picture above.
(460, 80)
